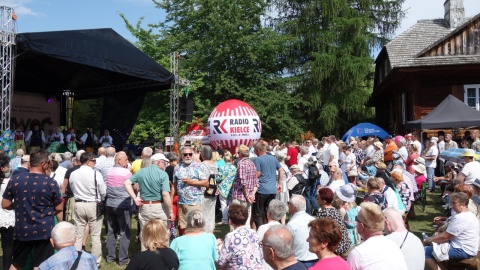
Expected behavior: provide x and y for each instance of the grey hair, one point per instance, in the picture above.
(195, 220)
(67, 156)
(147, 152)
(303, 150)
(298, 201)
(283, 246)
(280, 156)
(206, 152)
(277, 209)
(79, 154)
(110, 151)
(63, 233)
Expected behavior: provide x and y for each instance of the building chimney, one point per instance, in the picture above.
(454, 13)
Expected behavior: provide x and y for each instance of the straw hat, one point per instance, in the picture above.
(419, 168)
(378, 144)
(380, 165)
(468, 153)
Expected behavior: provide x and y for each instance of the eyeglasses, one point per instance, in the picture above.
(187, 154)
(92, 160)
(358, 221)
(262, 244)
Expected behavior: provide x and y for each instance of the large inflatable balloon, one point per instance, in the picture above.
(233, 123)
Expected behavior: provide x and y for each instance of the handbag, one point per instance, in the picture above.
(440, 251)
(100, 204)
(211, 190)
(352, 172)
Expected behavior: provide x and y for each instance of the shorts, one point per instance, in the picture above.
(42, 250)
(182, 213)
(453, 253)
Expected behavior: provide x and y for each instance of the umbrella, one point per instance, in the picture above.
(364, 130)
(454, 155)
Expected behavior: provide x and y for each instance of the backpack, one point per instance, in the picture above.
(313, 173)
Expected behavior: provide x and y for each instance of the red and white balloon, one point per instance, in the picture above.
(233, 123)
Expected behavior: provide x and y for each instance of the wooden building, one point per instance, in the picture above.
(422, 66)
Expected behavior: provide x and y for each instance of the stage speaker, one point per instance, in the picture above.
(186, 109)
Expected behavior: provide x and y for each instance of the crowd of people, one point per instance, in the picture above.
(286, 206)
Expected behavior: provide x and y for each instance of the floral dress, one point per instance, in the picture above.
(377, 198)
(351, 213)
(404, 192)
(335, 215)
(227, 175)
(241, 250)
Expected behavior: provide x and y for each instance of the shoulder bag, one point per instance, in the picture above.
(100, 204)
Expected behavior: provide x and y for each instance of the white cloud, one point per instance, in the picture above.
(20, 7)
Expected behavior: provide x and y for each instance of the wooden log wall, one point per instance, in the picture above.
(464, 42)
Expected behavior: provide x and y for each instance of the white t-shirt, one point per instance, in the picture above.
(465, 229)
(391, 198)
(333, 149)
(471, 171)
(311, 149)
(412, 249)
(402, 154)
(336, 184)
(377, 253)
(349, 162)
(326, 154)
(370, 151)
(432, 151)
(302, 164)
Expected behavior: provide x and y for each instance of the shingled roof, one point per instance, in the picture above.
(402, 51)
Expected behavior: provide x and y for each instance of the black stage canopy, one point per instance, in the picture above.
(93, 63)
(451, 113)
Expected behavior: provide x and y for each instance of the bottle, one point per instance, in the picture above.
(425, 236)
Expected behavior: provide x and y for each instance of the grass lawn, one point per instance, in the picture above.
(422, 223)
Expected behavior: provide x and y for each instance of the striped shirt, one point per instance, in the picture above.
(246, 178)
(117, 196)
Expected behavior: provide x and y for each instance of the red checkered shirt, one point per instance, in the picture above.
(246, 178)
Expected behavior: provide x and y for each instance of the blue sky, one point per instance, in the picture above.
(53, 15)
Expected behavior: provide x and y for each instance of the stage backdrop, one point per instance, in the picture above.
(29, 109)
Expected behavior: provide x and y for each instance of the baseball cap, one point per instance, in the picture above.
(158, 157)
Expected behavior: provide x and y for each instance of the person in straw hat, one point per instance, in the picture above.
(471, 169)
(377, 155)
(420, 174)
(347, 194)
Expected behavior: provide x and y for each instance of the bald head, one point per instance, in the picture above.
(393, 221)
(278, 245)
(102, 151)
(121, 159)
(110, 151)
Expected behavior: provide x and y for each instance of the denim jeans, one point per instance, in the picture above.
(430, 175)
(119, 221)
(310, 198)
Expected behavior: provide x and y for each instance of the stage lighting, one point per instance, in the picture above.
(48, 99)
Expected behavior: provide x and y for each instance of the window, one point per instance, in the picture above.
(472, 95)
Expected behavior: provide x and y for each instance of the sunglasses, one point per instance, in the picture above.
(187, 154)
(93, 160)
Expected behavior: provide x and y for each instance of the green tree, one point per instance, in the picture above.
(229, 54)
(329, 54)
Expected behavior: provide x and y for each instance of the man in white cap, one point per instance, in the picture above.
(471, 169)
(431, 162)
(154, 191)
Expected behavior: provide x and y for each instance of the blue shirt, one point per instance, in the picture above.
(34, 198)
(267, 165)
(65, 258)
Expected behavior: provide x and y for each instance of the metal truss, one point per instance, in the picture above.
(7, 38)
(174, 94)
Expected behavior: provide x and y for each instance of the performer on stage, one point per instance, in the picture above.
(89, 139)
(35, 138)
(19, 138)
(57, 140)
(71, 140)
(106, 140)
